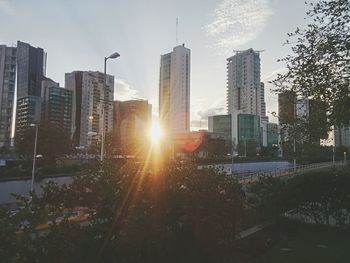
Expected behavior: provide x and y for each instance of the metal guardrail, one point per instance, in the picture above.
(254, 176)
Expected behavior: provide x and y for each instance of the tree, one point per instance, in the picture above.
(180, 214)
(319, 68)
(319, 196)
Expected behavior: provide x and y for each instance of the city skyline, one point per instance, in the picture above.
(137, 71)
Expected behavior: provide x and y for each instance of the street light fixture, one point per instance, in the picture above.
(34, 154)
(112, 56)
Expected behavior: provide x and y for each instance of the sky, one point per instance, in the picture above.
(78, 34)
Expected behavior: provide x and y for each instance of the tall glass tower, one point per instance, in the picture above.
(31, 67)
(7, 92)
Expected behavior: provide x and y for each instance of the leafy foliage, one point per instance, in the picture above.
(319, 68)
(321, 196)
(179, 214)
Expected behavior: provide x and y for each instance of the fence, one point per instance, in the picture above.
(250, 177)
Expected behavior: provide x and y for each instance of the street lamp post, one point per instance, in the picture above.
(344, 157)
(232, 156)
(34, 155)
(294, 146)
(112, 56)
(245, 148)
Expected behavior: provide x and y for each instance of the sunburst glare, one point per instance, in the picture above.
(156, 132)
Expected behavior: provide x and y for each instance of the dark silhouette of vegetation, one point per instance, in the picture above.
(321, 196)
(319, 66)
(179, 214)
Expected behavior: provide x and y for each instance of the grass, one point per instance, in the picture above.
(295, 242)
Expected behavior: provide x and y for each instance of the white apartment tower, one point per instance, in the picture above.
(243, 86)
(174, 90)
(89, 97)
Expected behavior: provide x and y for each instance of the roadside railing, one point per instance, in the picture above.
(250, 177)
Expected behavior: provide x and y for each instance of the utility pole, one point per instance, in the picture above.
(34, 156)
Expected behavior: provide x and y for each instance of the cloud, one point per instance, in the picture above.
(201, 111)
(210, 112)
(124, 91)
(199, 125)
(236, 22)
(273, 74)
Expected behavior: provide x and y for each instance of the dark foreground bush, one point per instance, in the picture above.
(178, 214)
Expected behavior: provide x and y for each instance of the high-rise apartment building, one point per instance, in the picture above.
(243, 83)
(7, 91)
(244, 95)
(92, 105)
(263, 116)
(132, 124)
(303, 110)
(31, 67)
(286, 106)
(174, 90)
(56, 109)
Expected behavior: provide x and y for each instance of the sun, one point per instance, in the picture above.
(156, 132)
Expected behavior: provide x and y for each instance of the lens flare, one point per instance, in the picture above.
(156, 132)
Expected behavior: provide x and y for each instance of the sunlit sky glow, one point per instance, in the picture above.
(78, 34)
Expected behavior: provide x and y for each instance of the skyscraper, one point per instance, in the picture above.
(56, 111)
(294, 110)
(243, 86)
(263, 116)
(286, 106)
(174, 90)
(31, 67)
(89, 97)
(7, 91)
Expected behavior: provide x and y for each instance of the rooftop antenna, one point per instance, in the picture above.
(177, 25)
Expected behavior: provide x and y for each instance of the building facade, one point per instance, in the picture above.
(248, 128)
(132, 124)
(245, 92)
(56, 109)
(174, 90)
(263, 116)
(7, 92)
(31, 70)
(286, 106)
(311, 113)
(243, 83)
(272, 135)
(342, 136)
(92, 106)
(220, 124)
